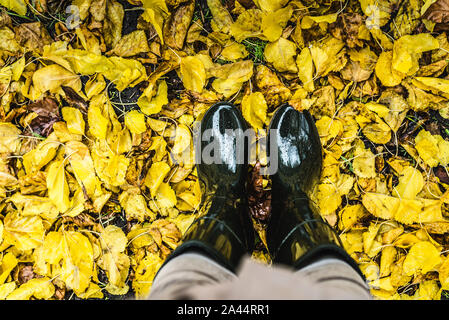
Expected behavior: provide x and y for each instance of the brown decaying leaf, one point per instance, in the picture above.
(259, 200)
(175, 30)
(48, 113)
(438, 12)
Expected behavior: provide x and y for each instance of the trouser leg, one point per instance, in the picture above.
(334, 279)
(186, 271)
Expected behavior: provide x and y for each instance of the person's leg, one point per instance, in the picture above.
(334, 279)
(324, 279)
(297, 235)
(214, 244)
(186, 271)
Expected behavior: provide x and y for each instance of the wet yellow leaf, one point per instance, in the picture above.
(7, 264)
(247, 25)
(433, 149)
(40, 288)
(364, 162)
(144, 274)
(151, 105)
(6, 289)
(305, 66)
(274, 22)
(74, 119)
(156, 175)
(9, 137)
(182, 139)
(73, 252)
(18, 6)
(58, 189)
(166, 197)
(254, 109)
(135, 122)
(23, 232)
(407, 50)
(136, 207)
(193, 74)
(281, 54)
(155, 12)
(422, 257)
(410, 184)
(384, 70)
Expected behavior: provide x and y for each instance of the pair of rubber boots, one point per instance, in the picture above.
(296, 235)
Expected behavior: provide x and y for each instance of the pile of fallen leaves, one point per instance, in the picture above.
(98, 99)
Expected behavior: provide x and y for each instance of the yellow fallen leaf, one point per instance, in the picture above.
(234, 51)
(58, 189)
(156, 12)
(407, 50)
(135, 122)
(113, 239)
(254, 109)
(433, 149)
(222, 20)
(74, 253)
(136, 207)
(270, 5)
(274, 22)
(349, 215)
(422, 257)
(384, 71)
(23, 232)
(182, 139)
(403, 210)
(40, 288)
(443, 274)
(305, 66)
(156, 175)
(281, 54)
(230, 77)
(150, 105)
(9, 137)
(248, 25)
(51, 78)
(144, 274)
(328, 198)
(410, 184)
(193, 74)
(308, 21)
(166, 197)
(328, 55)
(7, 264)
(436, 84)
(364, 162)
(6, 289)
(388, 256)
(18, 6)
(74, 119)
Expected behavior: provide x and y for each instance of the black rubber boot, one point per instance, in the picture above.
(225, 233)
(296, 235)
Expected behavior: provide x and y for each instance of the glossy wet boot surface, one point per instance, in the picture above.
(225, 231)
(296, 234)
